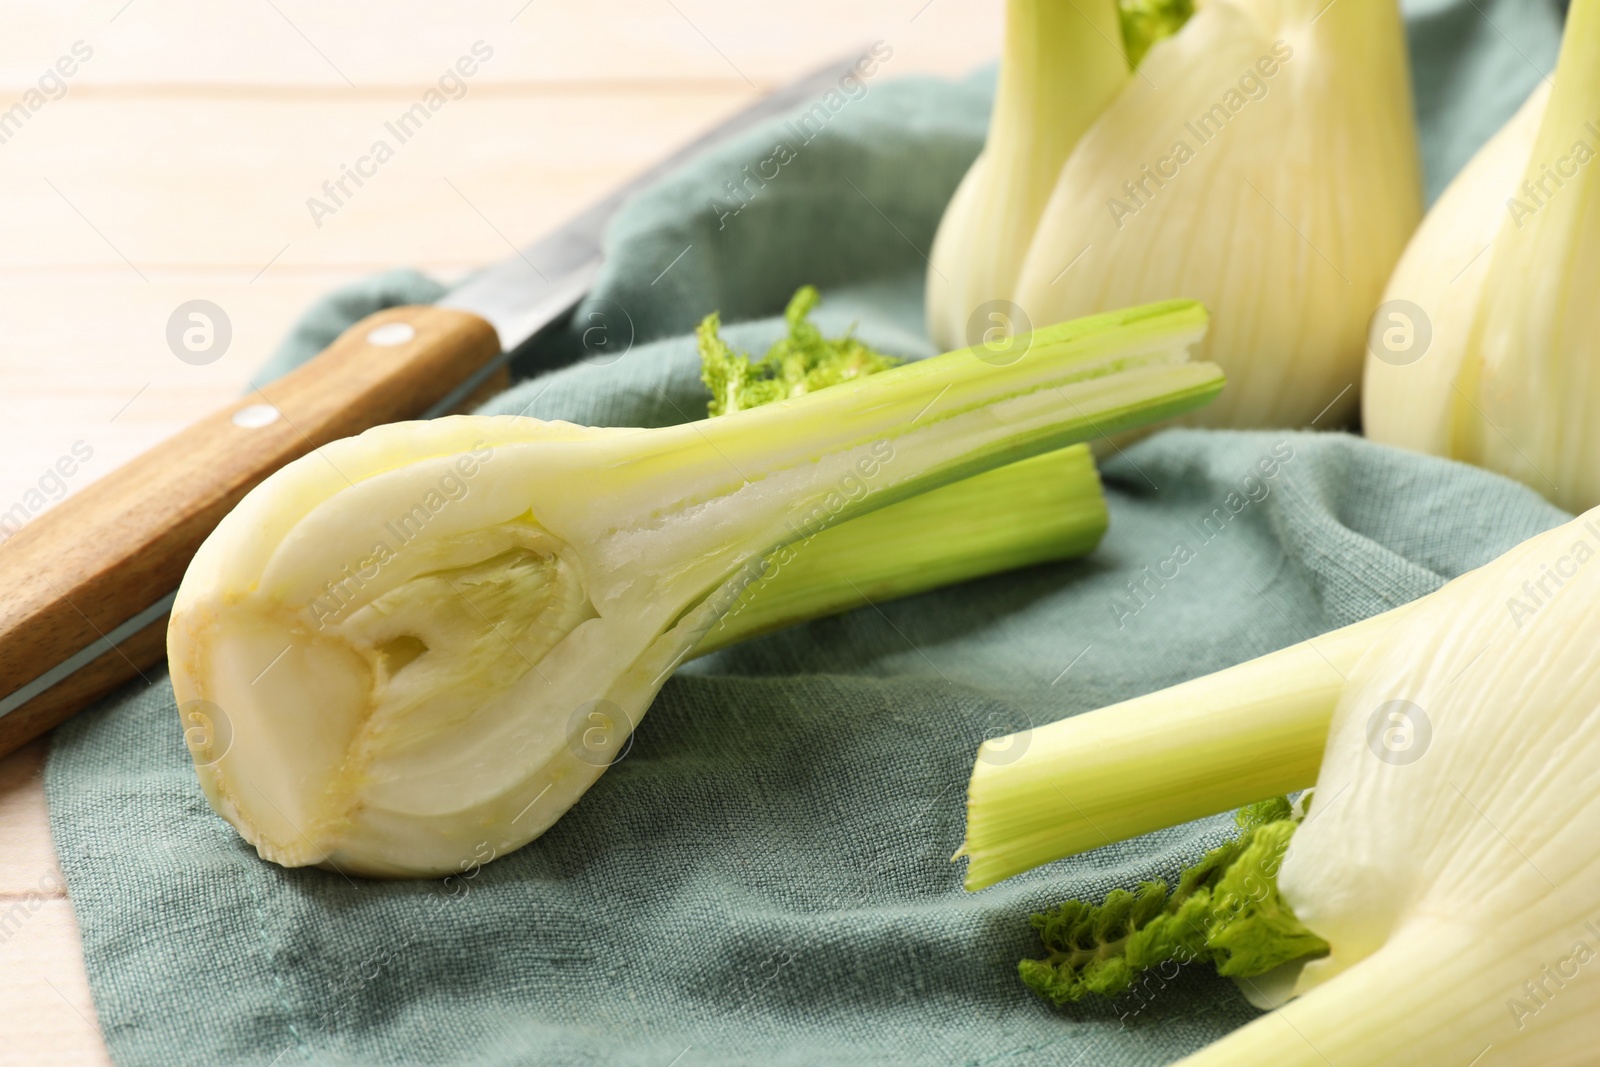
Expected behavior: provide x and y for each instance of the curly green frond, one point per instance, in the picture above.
(1144, 22)
(1225, 909)
(800, 363)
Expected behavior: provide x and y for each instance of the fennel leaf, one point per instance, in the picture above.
(800, 363)
(1144, 22)
(1225, 909)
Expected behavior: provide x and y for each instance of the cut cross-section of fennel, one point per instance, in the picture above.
(420, 646)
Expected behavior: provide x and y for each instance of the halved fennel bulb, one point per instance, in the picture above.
(423, 644)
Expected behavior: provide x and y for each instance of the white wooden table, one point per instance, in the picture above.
(175, 162)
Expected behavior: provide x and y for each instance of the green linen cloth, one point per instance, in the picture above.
(764, 876)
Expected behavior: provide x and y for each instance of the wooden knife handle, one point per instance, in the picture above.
(71, 576)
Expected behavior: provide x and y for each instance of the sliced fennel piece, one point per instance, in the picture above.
(1037, 510)
(1061, 64)
(1457, 887)
(1264, 161)
(1509, 380)
(360, 625)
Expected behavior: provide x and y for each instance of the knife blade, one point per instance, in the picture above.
(89, 584)
(526, 293)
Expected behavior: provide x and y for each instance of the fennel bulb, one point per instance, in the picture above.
(1263, 160)
(1418, 337)
(1504, 271)
(1449, 859)
(424, 643)
(1455, 879)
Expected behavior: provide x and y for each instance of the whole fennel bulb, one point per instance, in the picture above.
(421, 645)
(1451, 856)
(1457, 881)
(1262, 160)
(1503, 274)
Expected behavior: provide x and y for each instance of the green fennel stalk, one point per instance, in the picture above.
(1039, 510)
(1195, 749)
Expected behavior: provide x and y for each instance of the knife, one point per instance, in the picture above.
(88, 585)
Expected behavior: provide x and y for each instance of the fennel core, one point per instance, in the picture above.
(398, 739)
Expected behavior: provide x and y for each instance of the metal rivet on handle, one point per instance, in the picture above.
(255, 416)
(390, 334)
